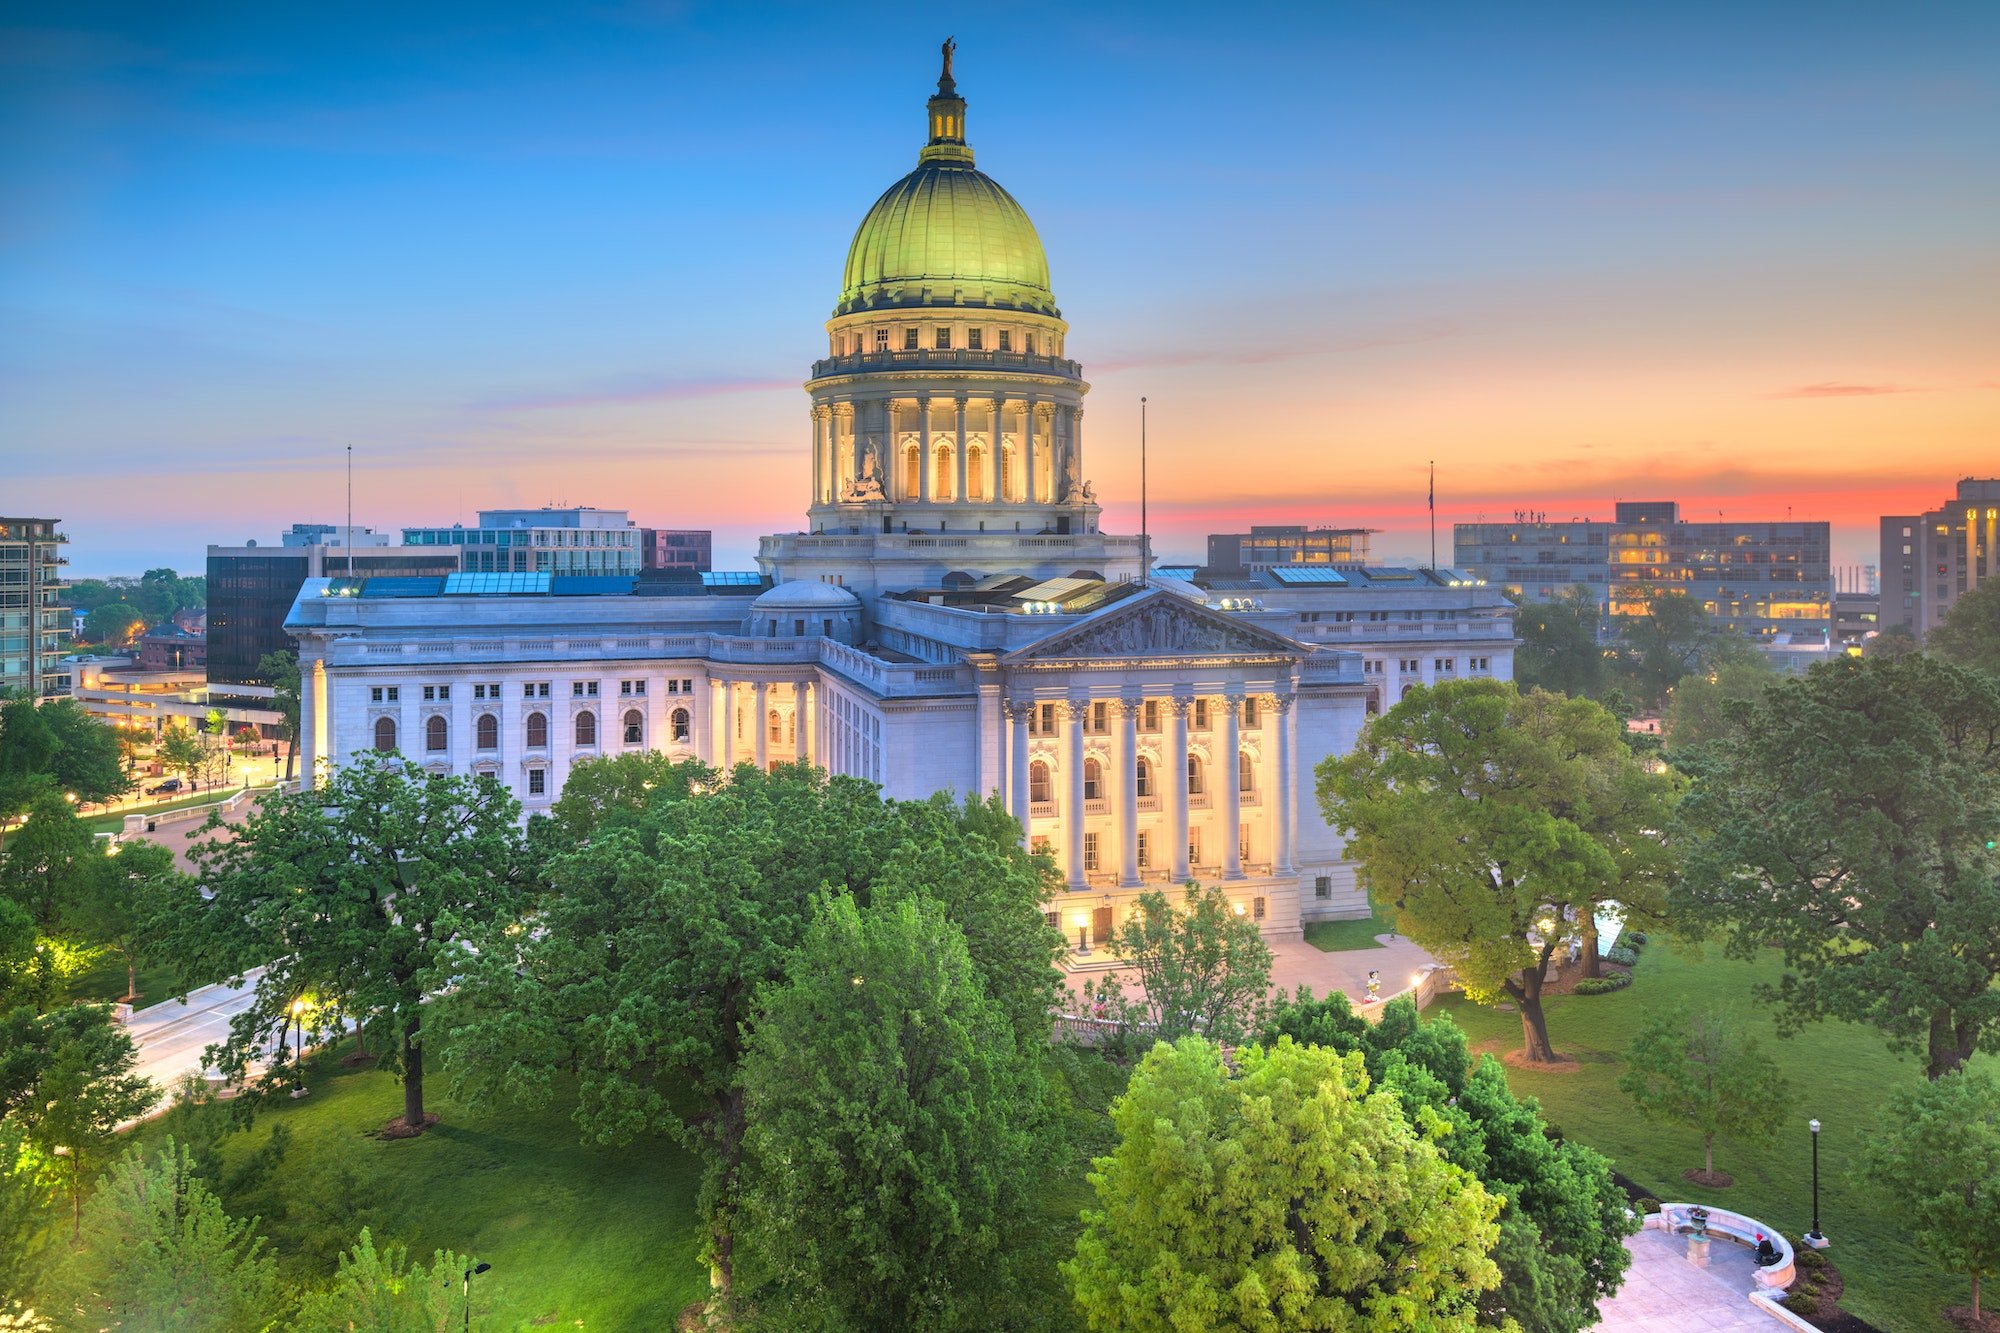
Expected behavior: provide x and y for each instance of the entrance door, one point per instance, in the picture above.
(1100, 925)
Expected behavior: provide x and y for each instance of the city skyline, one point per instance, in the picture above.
(1734, 261)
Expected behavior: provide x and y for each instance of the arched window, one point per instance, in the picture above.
(975, 472)
(436, 733)
(942, 478)
(1194, 775)
(486, 731)
(1246, 776)
(635, 727)
(538, 731)
(913, 472)
(1093, 780)
(1038, 783)
(682, 725)
(586, 728)
(1142, 776)
(774, 726)
(385, 734)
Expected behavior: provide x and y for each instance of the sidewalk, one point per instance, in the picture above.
(1296, 963)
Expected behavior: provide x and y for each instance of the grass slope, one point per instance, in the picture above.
(578, 1237)
(1842, 1074)
(1342, 936)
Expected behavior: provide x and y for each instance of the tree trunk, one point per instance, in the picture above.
(291, 755)
(1708, 1153)
(729, 1144)
(1587, 923)
(131, 982)
(1975, 1298)
(413, 1077)
(1950, 1045)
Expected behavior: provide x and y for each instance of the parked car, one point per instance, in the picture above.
(164, 788)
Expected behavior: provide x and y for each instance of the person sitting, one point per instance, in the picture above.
(1767, 1253)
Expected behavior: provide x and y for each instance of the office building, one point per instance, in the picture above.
(669, 548)
(1272, 546)
(1930, 560)
(576, 540)
(34, 624)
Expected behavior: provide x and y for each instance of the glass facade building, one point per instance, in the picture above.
(34, 626)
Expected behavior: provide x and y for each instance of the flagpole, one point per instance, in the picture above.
(1145, 538)
(350, 511)
(1434, 514)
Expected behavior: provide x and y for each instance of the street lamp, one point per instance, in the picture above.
(299, 1047)
(1082, 933)
(469, 1274)
(1813, 1238)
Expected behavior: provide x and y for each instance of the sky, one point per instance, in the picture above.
(1742, 256)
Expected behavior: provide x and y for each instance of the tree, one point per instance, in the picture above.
(1852, 821)
(1970, 632)
(1938, 1157)
(1895, 641)
(1482, 815)
(159, 1253)
(362, 889)
(115, 625)
(25, 1228)
(1285, 1197)
(125, 902)
(48, 861)
(1561, 648)
(1698, 706)
(1202, 969)
(66, 1079)
(1562, 1231)
(181, 751)
(891, 1123)
(1705, 1071)
(381, 1291)
(1670, 638)
(87, 761)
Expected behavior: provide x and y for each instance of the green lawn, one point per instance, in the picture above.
(1842, 1073)
(1342, 936)
(106, 981)
(578, 1237)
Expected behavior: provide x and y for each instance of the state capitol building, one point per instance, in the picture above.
(952, 617)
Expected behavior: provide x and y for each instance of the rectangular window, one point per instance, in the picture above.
(1194, 846)
(1100, 717)
(881, 340)
(910, 339)
(975, 340)
(942, 340)
(1150, 715)
(1323, 886)
(1054, 918)
(1145, 850)
(1090, 851)
(1257, 909)
(1201, 715)
(1006, 341)
(687, 686)
(1445, 665)
(538, 782)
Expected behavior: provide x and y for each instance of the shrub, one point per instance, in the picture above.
(1647, 1204)
(1809, 1259)
(1604, 985)
(1635, 938)
(1621, 955)
(1802, 1300)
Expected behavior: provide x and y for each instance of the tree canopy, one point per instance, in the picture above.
(1698, 707)
(1852, 820)
(1485, 817)
(1282, 1198)
(54, 745)
(1970, 632)
(1560, 644)
(1202, 967)
(381, 1291)
(356, 896)
(1704, 1070)
(892, 1122)
(1938, 1156)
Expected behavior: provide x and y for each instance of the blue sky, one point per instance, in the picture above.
(1743, 255)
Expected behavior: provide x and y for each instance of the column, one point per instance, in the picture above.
(1177, 791)
(1017, 767)
(1076, 446)
(819, 454)
(725, 724)
(1281, 856)
(1028, 410)
(801, 722)
(315, 727)
(1128, 784)
(1075, 710)
(1227, 767)
(998, 487)
(924, 449)
(961, 493)
(760, 693)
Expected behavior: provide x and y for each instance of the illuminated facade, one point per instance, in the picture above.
(1275, 545)
(951, 618)
(1930, 560)
(34, 626)
(1770, 581)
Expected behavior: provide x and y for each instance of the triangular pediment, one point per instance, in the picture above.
(1156, 625)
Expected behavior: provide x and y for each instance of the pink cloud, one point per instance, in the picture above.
(1841, 389)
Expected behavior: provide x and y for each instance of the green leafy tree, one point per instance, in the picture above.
(281, 671)
(1483, 815)
(1938, 1157)
(48, 861)
(27, 754)
(1970, 632)
(26, 1230)
(125, 904)
(381, 1291)
(1704, 1070)
(361, 889)
(180, 751)
(1561, 1247)
(1561, 648)
(159, 1253)
(66, 1080)
(1895, 641)
(1672, 637)
(1283, 1197)
(115, 625)
(1851, 821)
(891, 1124)
(1204, 968)
(1698, 707)
(87, 759)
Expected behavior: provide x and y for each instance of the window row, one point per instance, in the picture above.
(1045, 719)
(534, 730)
(1041, 789)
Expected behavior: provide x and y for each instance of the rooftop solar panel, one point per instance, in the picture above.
(1293, 575)
(494, 584)
(1183, 572)
(1377, 574)
(732, 578)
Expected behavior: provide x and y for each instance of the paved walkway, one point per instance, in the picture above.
(1666, 1293)
(1296, 963)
